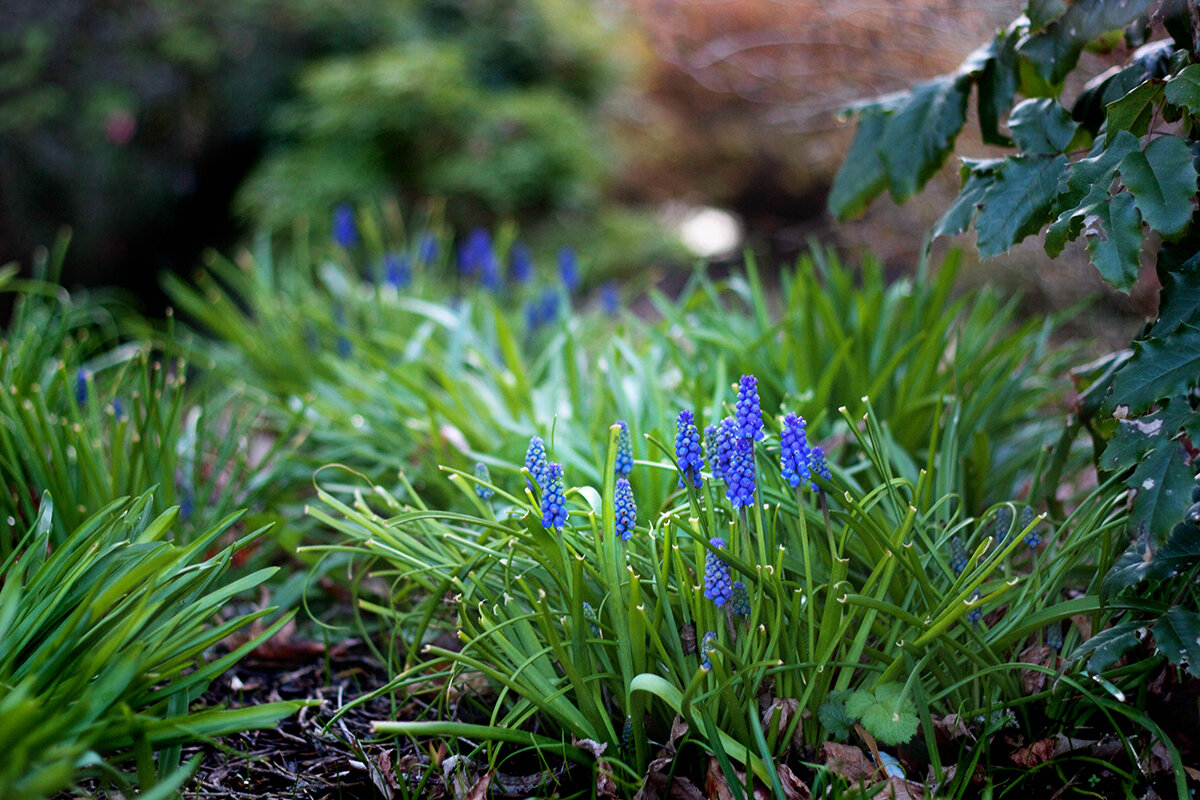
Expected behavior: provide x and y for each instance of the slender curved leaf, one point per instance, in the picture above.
(1163, 182)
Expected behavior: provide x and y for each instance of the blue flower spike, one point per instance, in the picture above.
(749, 414)
(626, 510)
(568, 269)
(1033, 538)
(593, 622)
(711, 450)
(345, 232)
(718, 581)
(397, 271)
(819, 466)
(624, 450)
(535, 462)
(81, 386)
(708, 646)
(687, 449)
(520, 263)
(740, 599)
(739, 474)
(958, 556)
(794, 454)
(481, 472)
(427, 250)
(976, 612)
(554, 500)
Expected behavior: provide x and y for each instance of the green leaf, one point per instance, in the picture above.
(1131, 568)
(887, 713)
(1114, 240)
(1158, 368)
(1184, 89)
(1018, 201)
(1138, 436)
(1134, 111)
(1177, 636)
(1178, 554)
(1163, 481)
(997, 83)
(1179, 298)
(1106, 648)
(1054, 51)
(833, 716)
(861, 177)
(1041, 126)
(1163, 182)
(977, 179)
(1089, 179)
(1042, 12)
(921, 132)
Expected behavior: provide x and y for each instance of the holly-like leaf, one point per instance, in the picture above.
(1055, 50)
(1018, 202)
(1137, 436)
(1163, 182)
(1179, 299)
(1178, 555)
(1134, 111)
(1130, 569)
(1158, 368)
(1163, 481)
(1183, 90)
(920, 134)
(1040, 126)
(1114, 240)
(1107, 647)
(977, 179)
(1042, 12)
(861, 177)
(997, 83)
(887, 713)
(1177, 637)
(1089, 179)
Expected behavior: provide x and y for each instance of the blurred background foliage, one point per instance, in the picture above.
(159, 128)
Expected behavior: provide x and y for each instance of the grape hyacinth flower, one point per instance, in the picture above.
(818, 465)
(474, 251)
(1033, 538)
(568, 270)
(345, 232)
(794, 454)
(81, 386)
(708, 646)
(520, 263)
(397, 271)
(554, 500)
(535, 462)
(740, 599)
(626, 510)
(687, 449)
(1004, 518)
(976, 613)
(589, 614)
(481, 472)
(727, 435)
(749, 414)
(427, 250)
(958, 556)
(711, 450)
(610, 298)
(739, 474)
(718, 584)
(624, 450)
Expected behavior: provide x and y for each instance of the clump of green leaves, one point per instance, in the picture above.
(103, 648)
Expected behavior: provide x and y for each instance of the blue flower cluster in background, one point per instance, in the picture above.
(481, 472)
(345, 231)
(535, 462)
(718, 581)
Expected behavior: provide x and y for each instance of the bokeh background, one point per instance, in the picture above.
(158, 128)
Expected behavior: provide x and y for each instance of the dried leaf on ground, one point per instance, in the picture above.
(951, 728)
(606, 786)
(846, 761)
(1037, 753)
(479, 790)
(793, 787)
(900, 789)
(714, 782)
(659, 783)
(1032, 680)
